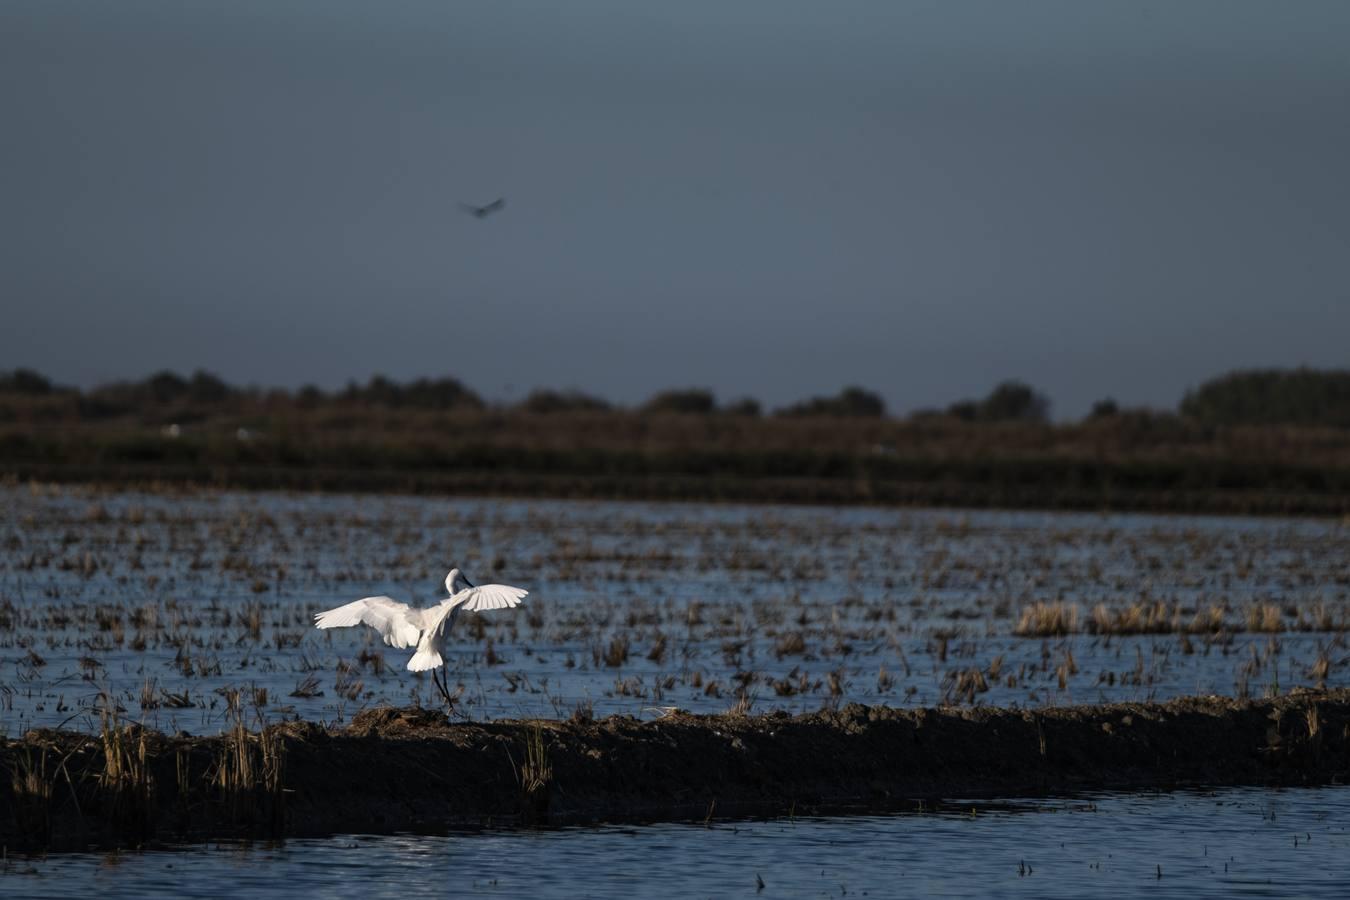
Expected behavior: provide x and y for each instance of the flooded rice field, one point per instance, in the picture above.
(1244, 842)
(159, 607)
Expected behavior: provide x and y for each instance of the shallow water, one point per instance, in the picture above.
(163, 604)
(1242, 842)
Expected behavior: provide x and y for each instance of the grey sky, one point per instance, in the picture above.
(771, 199)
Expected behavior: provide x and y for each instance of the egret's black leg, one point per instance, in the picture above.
(443, 685)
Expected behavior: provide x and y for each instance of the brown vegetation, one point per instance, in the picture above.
(1111, 463)
(437, 436)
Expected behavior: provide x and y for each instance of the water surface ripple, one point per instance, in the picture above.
(1240, 842)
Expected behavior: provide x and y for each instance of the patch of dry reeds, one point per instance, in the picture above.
(534, 775)
(31, 790)
(127, 788)
(1265, 618)
(961, 686)
(1047, 620)
(249, 773)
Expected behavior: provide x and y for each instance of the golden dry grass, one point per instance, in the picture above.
(1047, 619)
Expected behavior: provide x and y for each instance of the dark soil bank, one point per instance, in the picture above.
(410, 769)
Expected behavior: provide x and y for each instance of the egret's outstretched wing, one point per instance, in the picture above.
(440, 618)
(489, 596)
(385, 614)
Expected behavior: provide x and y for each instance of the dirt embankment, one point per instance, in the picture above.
(409, 769)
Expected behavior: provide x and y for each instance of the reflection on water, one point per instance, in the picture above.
(1235, 842)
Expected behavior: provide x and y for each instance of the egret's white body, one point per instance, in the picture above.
(403, 626)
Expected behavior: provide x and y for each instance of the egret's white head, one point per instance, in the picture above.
(456, 582)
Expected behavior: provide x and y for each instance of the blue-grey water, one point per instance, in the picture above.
(157, 606)
(1255, 843)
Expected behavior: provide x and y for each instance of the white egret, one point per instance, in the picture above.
(403, 626)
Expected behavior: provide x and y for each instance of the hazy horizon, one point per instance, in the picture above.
(766, 200)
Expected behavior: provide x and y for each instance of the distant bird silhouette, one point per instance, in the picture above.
(482, 212)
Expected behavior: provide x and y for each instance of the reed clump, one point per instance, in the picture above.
(1265, 618)
(1047, 620)
(791, 644)
(1313, 719)
(1138, 618)
(961, 686)
(534, 775)
(616, 654)
(1320, 668)
(126, 785)
(249, 775)
(32, 797)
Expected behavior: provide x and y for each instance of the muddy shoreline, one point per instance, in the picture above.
(414, 770)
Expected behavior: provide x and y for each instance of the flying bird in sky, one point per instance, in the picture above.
(482, 212)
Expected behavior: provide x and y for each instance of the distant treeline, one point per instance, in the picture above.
(1266, 397)
(439, 436)
(1273, 397)
(204, 393)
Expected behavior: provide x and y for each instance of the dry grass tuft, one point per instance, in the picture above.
(791, 644)
(584, 712)
(616, 654)
(1047, 620)
(1144, 617)
(1265, 618)
(961, 686)
(127, 787)
(32, 797)
(1320, 668)
(250, 772)
(535, 773)
(885, 680)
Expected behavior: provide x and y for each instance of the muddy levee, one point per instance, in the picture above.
(408, 769)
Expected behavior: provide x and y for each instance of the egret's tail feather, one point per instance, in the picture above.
(425, 658)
